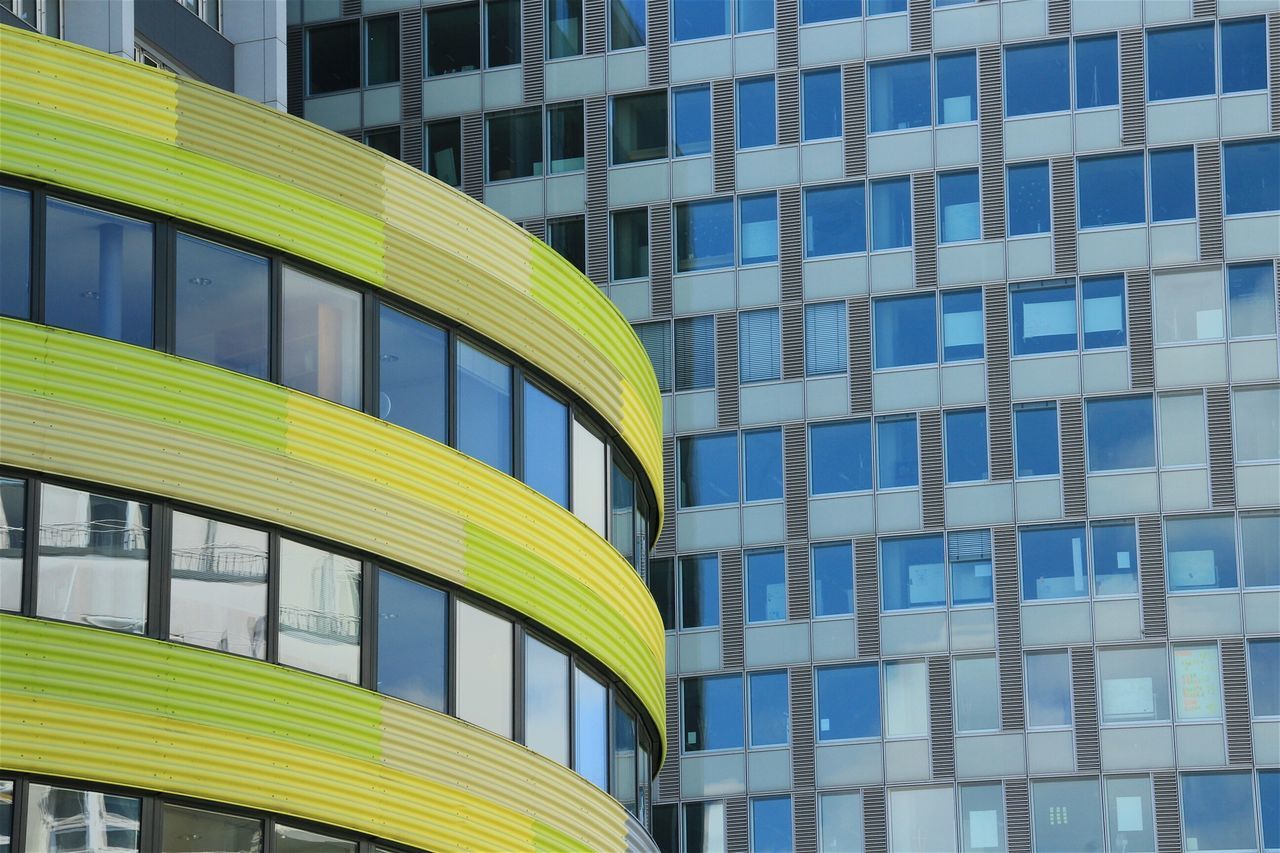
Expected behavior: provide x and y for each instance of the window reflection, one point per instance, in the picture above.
(319, 611)
(291, 839)
(321, 338)
(622, 526)
(188, 830)
(624, 757)
(546, 444)
(546, 700)
(589, 729)
(483, 665)
(484, 407)
(218, 587)
(15, 249)
(13, 538)
(413, 640)
(222, 306)
(64, 820)
(413, 374)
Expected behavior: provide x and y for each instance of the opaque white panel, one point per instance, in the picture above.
(972, 262)
(959, 26)
(1254, 360)
(845, 516)
(979, 504)
(1090, 15)
(956, 146)
(516, 199)
(963, 383)
(1097, 130)
(1136, 747)
(588, 478)
(573, 78)
(638, 184)
(1174, 243)
(628, 70)
(695, 410)
(1037, 136)
(837, 41)
(1252, 236)
(771, 402)
(753, 53)
(1039, 500)
(1023, 19)
(913, 633)
(776, 645)
(1058, 624)
(1117, 494)
(1262, 612)
(848, 764)
(713, 775)
(503, 87)
(336, 112)
(758, 286)
(1030, 257)
(827, 396)
(1195, 364)
(1047, 376)
(1105, 371)
(1184, 489)
(1201, 745)
(768, 167)
(700, 651)
(1245, 115)
(891, 271)
(821, 161)
(826, 278)
(1116, 619)
(483, 672)
(833, 639)
(905, 389)
(898, 511)
(1204, 615)
(1162, 11)
(1182, 121)
(907, 761)
(1051, 752)
(702, 60)
(698, 293)
(1113, 249)
(902, 151)
(1257, 485)
(450, 95)
(691, 176)
(990, 755)
(632, 299)
(763, 523)
(566, 194)
(769, 771)
(973, 628)
(708, 529)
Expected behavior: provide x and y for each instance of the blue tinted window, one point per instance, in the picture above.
(891, 213)
(221, 298)
(1054, 563)
(1252, 299)
(699, 19)
(961, 325)
(713, 713)
(484, 407)
(704, 235)
(546, 444)
(1264, 677)
(959, 216)
(758, 228)
(1115, 557)
(1244, 55)
(754, 15)
(848, 699)
(1180, 62)
(839, 457)
(898, 94)
(767, 703)
(699, 591)
(1097, 72)
(821, 95)
(626, 24)
(912, 573)
(1029, 199)
(966, 437)
(905, 331)
(1217, 810)
(1269, 800)
(766, 573)
(771, 825)
(825, 348)
(15, 249)
(759, 346)
(1036, 79)
(885, 7)
(1104, 312)
(835, 220)
(957, 76)
(1260, 548)
(691, 121)
(1200, 552)
(1035, 430)
(757, 113)
(969, 556)
(897, 452)
(413, 640)
(762, 464)
(413, 379)
(816, 11)
(709, 469)
(1043, 317)
(1173, 184)
(1121, 433)
(1251, 176)
(1111, 190)
(695, 347)
(832, 578)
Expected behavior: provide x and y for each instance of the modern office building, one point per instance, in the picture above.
(327, 494)
(965, 321)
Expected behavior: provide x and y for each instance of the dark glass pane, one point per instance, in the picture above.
(626, 24)
(1097, 72)
(966, 453)
(13, 537)
(848, 700)
(1180, 62)
(708, 470)
(1036, 79)
(546, 444)
(817, 11)
(453, 39)
(1036, 439)
(1029, 199)
(502, 33)
(382, 50)
(321, 346)
(822, 106)
(762, 464)
(905, 331)
(639, 127)
(1173, 184)
(898, 95)
(386, 141)
(514, 144)
(568, 236)
(700, 591)
(484, 407)
(333, 58)
(839, 457)
(222, 304)
(662, 585)
(444, 151)
(691, 121)
(566, 132)
(1111, 190)
(835, 220)
(413, 640)
(957, 76)
(1251, 176)
(1244, 55)
(766, 586)
(15, 253)
(413, 374)
(188, 830)
(1121, 433)
(713, 713)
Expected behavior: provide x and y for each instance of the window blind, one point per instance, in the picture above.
(656, 339)
(825, 346)
(695, 353)
(759, 346)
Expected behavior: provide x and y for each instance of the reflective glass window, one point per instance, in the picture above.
(1097, 72)
(957, 87)
(319, 611)
(898, 95)
(885, 7)
(1251, 176)
(922, 819)
(382, 50)
(965, 433)
(333, 58)
(218, 585)
(839, 457)
(1103, 302)
(766, 585)
(1269, 808)
(13, 537)
(482, 669)
(1028, 189)
(1036, 79)
(665, 827)
(848, 701)
(657, 342)
(913, 573)
(1110, 190)
(662, 585)
(567, 235)
(413, 640)
(444, 151)
(1243, 55)
(905, 330)
(832, 564)
(759, 346)
(1264, 677)
(962, 331)
(66, 820)
(1133, 684)
(695, 342)
(1035, 432)
(630, 243)
(820, 93)
(622, 497)
(1048, 676)
(484, 407)
(771, 825)
(1054, 562)
(969, 559)
(15, 252)
(625, 757)
(767, 703)
(1197, 682)
(817, 11)
(513, 144)
(1217, 811)
(977, 694)
(546, 700)
(982, 817)
(1115, 557)
(891, 213)
(704, 830)
(564, 28)
(1188, 305)
(291, 839)
(691, 121)
(1251, 297)
(758, 228)
(835, 220)
(1180, 62)
(712, 715)
(704, 235)
(413, 374)
(762, 464)
(959, 209)
(188, 830)
(1043, 316)
(897, 452)
(757, 113)
(588, 477)
(452, 35)
(708, 470)
(546, 444)
(840, 822)
(826, 348)
(1260, 548)
(566, 142)
(1200, 552)
(626, 24)
(906, 699)
(1130, 820)
(700, 591)
(1121, 433)
(1173, 184)
(502, 33)
(321, 338)
(1066, 814)
(699, 19)
(639, 131)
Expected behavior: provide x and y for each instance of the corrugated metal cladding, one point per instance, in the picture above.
(110, 413)
(91, 704)
(113, 128)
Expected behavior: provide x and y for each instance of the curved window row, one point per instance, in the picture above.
(56, 816)
(155, 283)
(176, 573)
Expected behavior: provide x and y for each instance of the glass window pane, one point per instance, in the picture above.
(564, 28)
(825, 339)
(839, 457)
(848, 699)
(484, 407)
(566, 138)
(622, 497)
(770, 714)
(1115, 557)
(1043, 317)
(662, 585)
(1036, 79)
(1054, 564)
(1173, 184)
(1048, 677)
(766, 586)
(93, 559)
(1188, 305)
(319, 611)
(834, 220)
(1097, 72)
(13, 537)
(922, 820)
(1111, 190)
(759, 346)
(666, 827)
(1180, 62)
(969, 557)
(1260, 547)
(502, 33)
(897, 453)
(444, 151)
(1182, 429)
(821, 96)
(977, 694)
(588, 478)
(1251, 176)
(546, 700)
(981, 818)
(1104, 312)
(546, 444)
(630, 243)
(704, 235)
(382, 50)
(657, 343)
(891, 213)
(624, 757)
(483, 665)
(66, 819)
(333, 58)
(1134, 685)
(691, 120)
(1217, 811)
(1200, 552)
(905, 329)
(568, 237)
(626, 24)
(962, 331)
(817, 11)
(966, 445)
(188, 830)
(1121, 433)
(453, 39)
(712, 713)
(912, 573)
(1197, 681)
(1269, 807)
(1067, 815)
(1264, 677)
(1252, 298)
(771, 825)
(290, 839)
(413, 640)
(1130, 822)
(898, 95)
(1244, 55)
(832, 578)
(762, 464)
(218, 585)
(708, 470)
(906, 699)
(757, 113)
(699, 19)
(1029, 199)
(840, 823)
(700, 591)
(98, 276)
(639, 130)
(695, 339)
(957, 84)
(758, 228)
(15, 252)
(959, 210)
(1036, 439)
(704, 828)
(513, 144)
(321, 338)
(413, 374)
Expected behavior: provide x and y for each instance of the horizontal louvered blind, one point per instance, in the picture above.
(728, 356)
(798, 596)
(802, 758)
(875, 836)
(660, 260)
(723, 149)
(1084, 708)
(659, 42)
(666, 544)
(1235, 694)
(932, 505)
(804, 805)
(925, 227)
(1273, 67)
(999, 411)
(1168, 831)
(656, 340)
(1017, 815)
(1133, 89)
(941, 724)
(793, 341)
(473, 156)
(853, 81)
(967, 546)
(866, 577)
(1222, 467)
(669, 775)
(1059, 17)
(795, 480)
(920, 24)
(731, 607)
(787, 44)
(860, 355)
(759, 345)
(735, 825)
(1008, 627)
(531, 51)
(991, 141)
(1151, 577)
(295, 82)
(1142, 365)
(826, 345)
(1209, 200)
(695, 353)
(1074, 492)
(597, 130)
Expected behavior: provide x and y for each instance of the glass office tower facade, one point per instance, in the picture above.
(964, 316)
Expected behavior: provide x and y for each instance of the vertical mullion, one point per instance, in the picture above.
(159, 571)
(370, 574)
(273, 596)
(370, 345)
(275, 354)
(30, 547)
(517, 422)
(164, 285)
(35, 299)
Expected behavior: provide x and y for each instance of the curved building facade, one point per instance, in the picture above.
(327, 493)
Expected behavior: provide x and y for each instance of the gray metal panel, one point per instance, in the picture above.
(798, 594)
(790, 248)
(1155, 617)
(804, 807)
(1059, 17)
(593, 18)
(933, 505)
(731, 642)
(531, 52)
(668, 787)
(473, 156)
(924, 225)
(1235, 694)
(1017, 815)
(1084, 709)
(723, 148)
(995, 311)
(295, 85)
(788, 107)
(666, 544)
(793, 341)
(727, 370)
(802, 762)
(735, 825)
(411, 87)
(1063, 189)
(1133, 89)
(991, 141)
(1204, 8)
(866, 578)
(786, 34)
(597, 190)
(795, 479)
(942, 744)
(1209, 199)
(660, 259)
(853, 81)
(860, 355)
(1004, 543)
(659, 42)
(1142, 360)
(1273, 66)
(204, 51)
(920, 22)
(1164, 787)
(875, 835)
(351, 8)
(536, 227)
(1071, 424)
(1222, 467)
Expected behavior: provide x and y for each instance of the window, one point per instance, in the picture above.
(771, 825)
(514, 144)
(762, 464)
(1197, 681)
(758, 229)
(662, 585)
(770, 715)
(906, 699)
(1188, 305)
(564, 28)
(1173, 184)
(453, 39)
(898, 95)
(704, 235)
(839, 457)
(413, 641)
(639, 130)
(1251, 176)
(912, 573)
(1264, 677)
(1252, 299)
(1097, 72)
(1036, 79)
(825, 345)
(218, 585)
(546, 444)
(1245, 42)
(590, 728)
(1180, 62)
(1130, 820)
(1104, 311)
(956, 76)
(288, 839)
(1182, 429)
(98, 276)
(1115, 557)
(695, 353)
(766, 574)
(382, 50)
(691, 120)
(759, 346)
(1048, 676)
(656, 340)
(891, 213)
(817, 11)
(546, 700)
(835, 220)
(319, 611)
(565, 143)
(185, 828)
(1133, 684)
(962, 333)
(1217, 811)
(502, 33)
(885, 7)
(966, 445)
(1269, 808)
(568, 237)
(699, 591)
(625, 757)
(704, 830)
(630, 244)
(982, 817)
(959, 216)
(588, 477)
(897, 452)
(1029, 199)
(1200, 552)
(484, 407)
(905, 331)
(1035, 428)
(413, 374)
(385, 140)
(1257, 423)
(922, 819)
(15, 246)
(757, 113)
(821, 96)
(13, 511)
(708, 470)
(626, 24)
(840, 822)
(333, 58)
(70, 819)
(1066, 815)
(1260, 548)
(848, 700)
(832, 564)
(1121, 433)
(444, 151)
(699, 19)
(712, 713)
(1053, 563)
(1043, 315)
(969, 559)
(1110, 190)
(221, 306)
(321, 338)
(977, 694)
